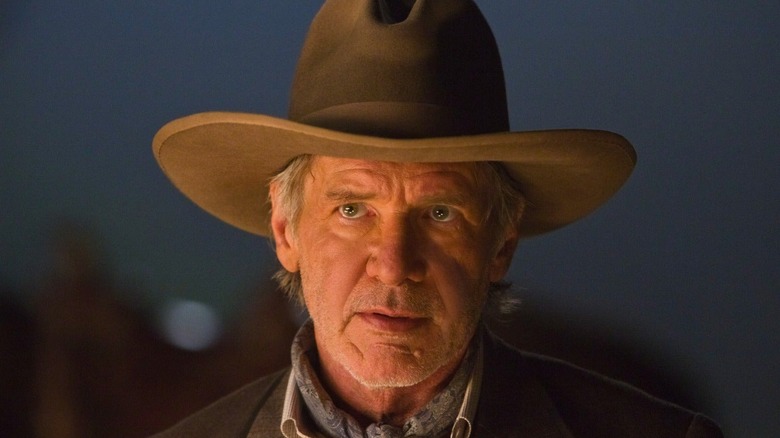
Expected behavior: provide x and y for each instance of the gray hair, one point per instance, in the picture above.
(507, 204)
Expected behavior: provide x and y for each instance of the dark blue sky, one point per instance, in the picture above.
(684, 257)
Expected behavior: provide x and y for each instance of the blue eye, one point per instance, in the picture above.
(352, 211)
(441, 213)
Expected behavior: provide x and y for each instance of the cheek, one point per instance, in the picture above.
(330, 269)
(462, 278)
(467, 255)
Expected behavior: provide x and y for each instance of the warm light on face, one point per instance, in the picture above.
(395, 261)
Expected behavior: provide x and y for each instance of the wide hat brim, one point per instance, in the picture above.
(223, 161)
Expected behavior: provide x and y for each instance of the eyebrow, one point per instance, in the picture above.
(348, 195)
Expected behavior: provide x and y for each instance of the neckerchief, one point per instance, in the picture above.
(435, 419)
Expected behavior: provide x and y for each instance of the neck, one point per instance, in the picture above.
(389, 405)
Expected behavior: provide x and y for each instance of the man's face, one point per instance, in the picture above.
(395, 262)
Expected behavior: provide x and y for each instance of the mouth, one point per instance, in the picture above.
(391, 323)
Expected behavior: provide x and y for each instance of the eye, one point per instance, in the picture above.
(441, 213)
(352, 211)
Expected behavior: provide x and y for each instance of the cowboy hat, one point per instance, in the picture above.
(406, 81)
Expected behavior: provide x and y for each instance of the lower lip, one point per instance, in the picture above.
(391, 324)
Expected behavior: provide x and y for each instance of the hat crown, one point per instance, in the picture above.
(400, 68)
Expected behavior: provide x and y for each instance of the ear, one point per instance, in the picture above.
(284, 240)
(503, 257)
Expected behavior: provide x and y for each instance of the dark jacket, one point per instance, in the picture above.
(523, 395)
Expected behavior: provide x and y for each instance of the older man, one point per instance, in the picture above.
(398, 196)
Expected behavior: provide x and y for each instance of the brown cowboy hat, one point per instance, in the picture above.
(406, 81)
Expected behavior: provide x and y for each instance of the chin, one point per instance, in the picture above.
(392, 369)
(390, 378)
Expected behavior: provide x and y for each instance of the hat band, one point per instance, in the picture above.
(399, 120)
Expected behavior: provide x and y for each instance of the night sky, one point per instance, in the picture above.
(683, 258)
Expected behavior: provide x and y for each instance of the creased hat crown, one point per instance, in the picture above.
(400, 68)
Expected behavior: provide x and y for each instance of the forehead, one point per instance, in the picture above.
(463, 177)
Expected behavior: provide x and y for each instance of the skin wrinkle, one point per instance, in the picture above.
(394, 260)
(505, 212)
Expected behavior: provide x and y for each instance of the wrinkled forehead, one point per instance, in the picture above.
(467, 178)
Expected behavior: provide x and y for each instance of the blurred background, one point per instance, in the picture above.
(123, 307)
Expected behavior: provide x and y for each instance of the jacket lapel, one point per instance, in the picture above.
(268, 418)
(513, 402)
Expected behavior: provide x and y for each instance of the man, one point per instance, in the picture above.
(397, 198)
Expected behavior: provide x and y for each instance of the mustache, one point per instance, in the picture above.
(408, 299)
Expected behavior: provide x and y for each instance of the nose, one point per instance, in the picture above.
(395, 254)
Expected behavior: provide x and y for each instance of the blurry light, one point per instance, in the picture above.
(190, 325)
